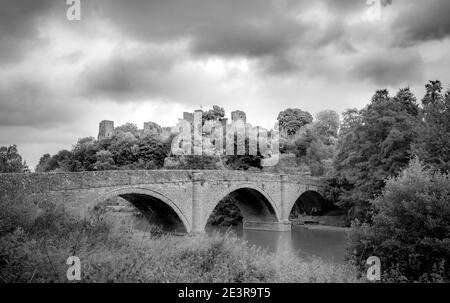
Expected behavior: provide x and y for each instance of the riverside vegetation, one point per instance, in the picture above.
(37, 240)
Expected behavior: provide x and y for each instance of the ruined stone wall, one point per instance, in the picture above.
(106, 129)
(189, 117)
(238, 115)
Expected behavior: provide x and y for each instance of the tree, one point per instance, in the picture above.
(351, 119)
(152, 153)
(374, 143)
(65, 162)
(125, 149)
(11, 161)
(292, 120)
(315, 144)
(127, 128)
(104, 161)
(410, 232)
(44, 164)
(226, 213)
(84, 154)
(327, 123)
(433, 144)
(217, 113)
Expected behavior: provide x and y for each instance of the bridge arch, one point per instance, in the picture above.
(254, 203)
(309, 202)
(148, 201)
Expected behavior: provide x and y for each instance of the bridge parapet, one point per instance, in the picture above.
(237, 176)
(192, 194)
(45, 182)
(306, 180)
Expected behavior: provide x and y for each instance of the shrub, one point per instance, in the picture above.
(34, 248)
(410, 232)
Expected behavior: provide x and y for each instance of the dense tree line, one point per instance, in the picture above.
(11, 161)
(126, 149)
(378, 141)
(391, 171)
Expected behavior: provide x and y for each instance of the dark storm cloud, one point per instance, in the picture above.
(265, 30)
(390, 68)
(18, 27)
(420, 21)
(129, 76)
(278, 37)
(27, 102)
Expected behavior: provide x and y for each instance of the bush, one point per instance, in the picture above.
(226, 213)
(410, 232)
(35, 247)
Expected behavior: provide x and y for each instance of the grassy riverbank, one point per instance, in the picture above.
(35, 243)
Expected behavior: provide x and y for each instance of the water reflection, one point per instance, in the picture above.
(327, 244)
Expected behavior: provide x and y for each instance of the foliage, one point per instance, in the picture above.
(127, 128)
(314, 144)
(292, 120)
(327, 123)
(243, 162)
(217, 113)
(35, 248)
(433, 144)
(226, 213)
(11, 161)
(126, 149)
(410, 232)
(374, 143)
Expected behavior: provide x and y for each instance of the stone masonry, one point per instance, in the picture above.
(238, 115)
(106, 129)
(188, 197)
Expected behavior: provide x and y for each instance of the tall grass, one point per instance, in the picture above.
(37, 240)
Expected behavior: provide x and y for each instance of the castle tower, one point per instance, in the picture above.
(238, 115)
(189, 117)
(106, 129)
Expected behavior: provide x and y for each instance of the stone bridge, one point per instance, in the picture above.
(183, 200)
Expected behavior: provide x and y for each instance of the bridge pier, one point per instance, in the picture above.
(267, 226)
(284, 200)
(197, 204)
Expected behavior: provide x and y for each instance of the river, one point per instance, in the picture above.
(327, 243)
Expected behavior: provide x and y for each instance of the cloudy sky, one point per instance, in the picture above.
(137, 61)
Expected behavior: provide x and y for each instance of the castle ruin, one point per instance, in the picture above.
(238, 115)
(106, 129)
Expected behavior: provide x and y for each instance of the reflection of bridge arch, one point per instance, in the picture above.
(254, 203)
(151, 203)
